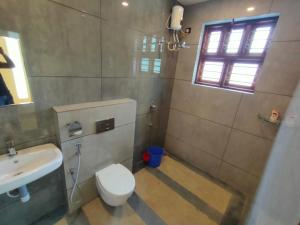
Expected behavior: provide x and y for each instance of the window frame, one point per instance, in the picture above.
(242, 56)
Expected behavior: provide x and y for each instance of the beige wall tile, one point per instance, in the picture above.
(182, 125)
(280, 72)
(209, 103)
(192, 155)
(183, 96)
(186, 62)
(208, 136)
(175, 147)
(166, 93)
(247, 152)
(216, 104)
(202, 160)
(238, 8)
(238, 179)
(259, 103)
(288, 24)
(168, 66)
(197, 15)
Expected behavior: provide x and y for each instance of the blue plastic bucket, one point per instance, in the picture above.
(156, 153)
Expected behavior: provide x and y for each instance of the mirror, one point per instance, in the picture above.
(14, 88)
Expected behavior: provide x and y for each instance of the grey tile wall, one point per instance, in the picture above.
(80, 51)
(280, 72)
(89, 6)
(218, 130)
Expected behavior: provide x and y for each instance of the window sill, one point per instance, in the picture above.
(224, 89)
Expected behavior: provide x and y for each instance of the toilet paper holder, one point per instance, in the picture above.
(74, 128)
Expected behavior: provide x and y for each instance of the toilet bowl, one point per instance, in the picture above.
(115, 184)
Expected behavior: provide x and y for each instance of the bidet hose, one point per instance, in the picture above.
(75, 180)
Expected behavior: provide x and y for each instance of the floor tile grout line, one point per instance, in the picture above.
(213, 179)
(145, 212)
(233, 213)
(229, 218)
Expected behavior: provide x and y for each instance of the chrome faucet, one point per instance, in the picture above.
(11, 148)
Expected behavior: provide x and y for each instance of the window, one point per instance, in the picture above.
(156, 66)
(145, 64)
(232, 53)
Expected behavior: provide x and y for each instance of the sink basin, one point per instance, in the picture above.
(28, 165)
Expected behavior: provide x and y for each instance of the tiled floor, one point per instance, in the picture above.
(173, 194)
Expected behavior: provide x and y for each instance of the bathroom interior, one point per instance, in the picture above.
(156, 112)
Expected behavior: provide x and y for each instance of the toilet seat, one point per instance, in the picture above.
(115, 184)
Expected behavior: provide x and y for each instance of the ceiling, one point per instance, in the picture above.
(191, 2)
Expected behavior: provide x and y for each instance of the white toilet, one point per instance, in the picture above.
(115, 184)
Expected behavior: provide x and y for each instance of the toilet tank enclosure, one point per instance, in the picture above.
(93, 136)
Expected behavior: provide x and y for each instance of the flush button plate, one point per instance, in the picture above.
(105, 125)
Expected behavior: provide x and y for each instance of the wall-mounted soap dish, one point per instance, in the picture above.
(265, 119)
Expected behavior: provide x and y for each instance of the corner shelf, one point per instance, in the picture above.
(264, 119)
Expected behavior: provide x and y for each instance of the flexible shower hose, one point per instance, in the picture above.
(75, 180)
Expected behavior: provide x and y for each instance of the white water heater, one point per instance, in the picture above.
(177, 17)
(174, 25)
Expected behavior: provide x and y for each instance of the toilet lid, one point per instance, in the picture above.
(116, 179)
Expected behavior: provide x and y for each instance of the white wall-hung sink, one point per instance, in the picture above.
(28, 165)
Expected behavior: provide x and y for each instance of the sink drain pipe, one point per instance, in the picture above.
(23, 194)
